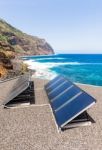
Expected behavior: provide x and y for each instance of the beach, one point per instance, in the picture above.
(33, 127)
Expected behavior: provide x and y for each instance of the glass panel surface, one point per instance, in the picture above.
(74, 108)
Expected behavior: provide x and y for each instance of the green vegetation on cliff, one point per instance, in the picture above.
(14, 42)
(22, 43)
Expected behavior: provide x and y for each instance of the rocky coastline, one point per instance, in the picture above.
(13, 44)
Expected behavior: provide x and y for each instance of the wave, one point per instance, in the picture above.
(34, 64)
(50, 58)
(43, 70)
(52, 64)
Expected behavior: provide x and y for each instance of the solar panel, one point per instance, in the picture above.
(67, 100)
(68, 96)
(59, 90)
(52, 81)
(55, 84)
(73, 109)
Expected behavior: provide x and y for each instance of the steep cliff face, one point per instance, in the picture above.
(14, 42)
(21, 43)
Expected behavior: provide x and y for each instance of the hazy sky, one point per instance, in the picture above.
(70, 26)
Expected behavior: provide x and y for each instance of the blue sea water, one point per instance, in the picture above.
(81, 68)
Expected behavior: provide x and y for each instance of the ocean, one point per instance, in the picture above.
(79, 68)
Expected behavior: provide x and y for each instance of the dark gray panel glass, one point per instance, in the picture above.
(73, 108)
(55, 85)
(59, 90)
(52, 81)
(65, 97)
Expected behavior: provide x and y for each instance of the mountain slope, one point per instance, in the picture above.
(14, 42)
(12, 39)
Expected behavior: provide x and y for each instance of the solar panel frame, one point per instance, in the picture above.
(62, 126)
(69, 116)
(83, 119)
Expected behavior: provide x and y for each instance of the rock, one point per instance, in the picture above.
(3, 71)
(12, 39)
(14, 42)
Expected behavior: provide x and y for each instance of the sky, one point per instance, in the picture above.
(70, 26)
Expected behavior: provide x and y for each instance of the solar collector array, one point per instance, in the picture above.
(67, 100)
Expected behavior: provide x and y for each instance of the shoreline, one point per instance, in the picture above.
(77, 83)
(88, 84)
(46, 71)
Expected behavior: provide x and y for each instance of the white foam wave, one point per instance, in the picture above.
(43, 69)
(49, 58)
(38, 65)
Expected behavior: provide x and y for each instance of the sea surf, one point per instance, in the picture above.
(80, 68)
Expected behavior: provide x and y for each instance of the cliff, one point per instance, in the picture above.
(12, 39)
(14, 42)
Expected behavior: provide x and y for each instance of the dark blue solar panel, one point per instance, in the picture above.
(73, 109)
(59, 89)
(52, 81)
(67, 100)
(65, 97)
(55, 85)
